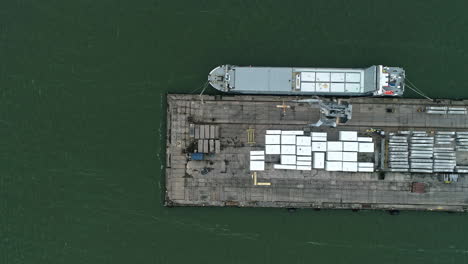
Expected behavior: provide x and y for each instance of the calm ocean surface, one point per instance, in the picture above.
(82, 126)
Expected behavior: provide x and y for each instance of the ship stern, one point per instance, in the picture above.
(220, 78)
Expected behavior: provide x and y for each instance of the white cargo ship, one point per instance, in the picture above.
(372, 81)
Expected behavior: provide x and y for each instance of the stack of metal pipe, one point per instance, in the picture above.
(444, 110)
(456, 111)
(421, 152)
(462, 141)
(462, 169)
(437, 110)
(444, 152)
(398, 152)
(424, 152)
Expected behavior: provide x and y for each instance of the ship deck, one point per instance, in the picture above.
(224, 178)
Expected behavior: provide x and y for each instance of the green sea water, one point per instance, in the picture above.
(82, 126)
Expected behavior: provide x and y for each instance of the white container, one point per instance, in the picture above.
(273, 132)
(335, 156)
(304, 163)
(350, 156)
(366, 165)
(334, 146)
(319, 160)
(364, 139)
(365, 169)
(314, 138)
(308, 168)
(348, 135)
(350, 166)
(318, 134)
(318, 146)
(288, 149)
(304, 158)
(259, 157)
(292, 132)
(303, 141)
(272, 139)
(366, 147)
(284, 167)
(350, 146)
(288, 159)
(272, 149)
(257, 165)
(303, 150)
(257, 153)
(288, 139)
(334, 166)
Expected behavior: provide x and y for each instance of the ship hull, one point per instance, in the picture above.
(372, 81)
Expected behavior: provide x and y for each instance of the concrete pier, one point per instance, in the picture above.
(223, 178)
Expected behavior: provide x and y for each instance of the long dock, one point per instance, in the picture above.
(236, 125)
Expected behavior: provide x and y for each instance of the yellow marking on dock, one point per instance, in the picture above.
(283, 106)
(250, 136)
(254, 176)
(256, 183)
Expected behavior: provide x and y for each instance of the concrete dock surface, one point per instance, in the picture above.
(225, 179)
